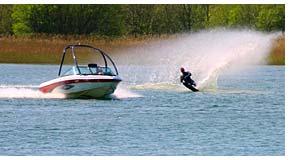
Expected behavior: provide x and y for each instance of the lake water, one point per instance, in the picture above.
(244, 115)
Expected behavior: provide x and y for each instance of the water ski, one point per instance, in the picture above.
(189, 86)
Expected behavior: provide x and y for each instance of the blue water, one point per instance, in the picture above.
(245, 115)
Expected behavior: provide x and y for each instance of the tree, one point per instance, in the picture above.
(136, 19)
(242, 16)
(64, 19)
(111, 20)
(271, 17)
(166, 19)
(5, 19)
(200, 16)
(139, 19)
(219, 15)
(185, 16)
(21, 15)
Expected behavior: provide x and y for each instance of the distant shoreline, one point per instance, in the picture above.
(46, 49)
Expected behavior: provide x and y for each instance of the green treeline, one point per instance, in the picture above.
(137, 19)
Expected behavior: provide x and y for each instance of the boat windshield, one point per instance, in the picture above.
(85, 70)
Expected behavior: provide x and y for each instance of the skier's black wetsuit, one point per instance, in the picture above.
(186, 79)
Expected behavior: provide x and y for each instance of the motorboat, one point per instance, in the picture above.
(92, 80)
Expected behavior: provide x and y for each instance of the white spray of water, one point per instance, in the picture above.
(29, 91)
(24, 91)
(206, 54)
(123, 93)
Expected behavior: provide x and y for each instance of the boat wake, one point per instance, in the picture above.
(157, 86)
(124, 93)
(31, 91)
(25, 91)
(209, 88)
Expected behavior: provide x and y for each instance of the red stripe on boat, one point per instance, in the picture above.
(50, 87)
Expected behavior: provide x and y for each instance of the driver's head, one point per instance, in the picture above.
(182, 69)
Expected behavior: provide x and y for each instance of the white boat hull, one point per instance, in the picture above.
(82, 86)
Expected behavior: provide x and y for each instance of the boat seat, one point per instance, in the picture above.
(95, 66)
(92, 65)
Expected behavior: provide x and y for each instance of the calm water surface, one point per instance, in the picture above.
(244, 116)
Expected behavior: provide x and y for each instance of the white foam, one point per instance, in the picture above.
(25, 91)
(31, 91)
(123, 93)
(158, 86)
